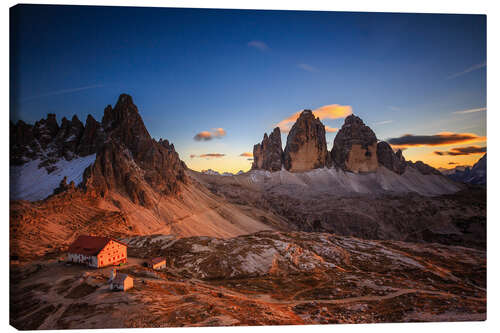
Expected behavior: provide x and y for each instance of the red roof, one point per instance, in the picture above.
(89, 245)
(157, 260)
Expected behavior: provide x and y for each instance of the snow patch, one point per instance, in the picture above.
(28, 182)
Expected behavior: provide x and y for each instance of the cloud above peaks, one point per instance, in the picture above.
(208, 156)
(332, 111)
(440, 139)
(246, 154)
(209, 135)
(460, 151)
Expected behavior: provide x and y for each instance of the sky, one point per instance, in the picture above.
(214, 81)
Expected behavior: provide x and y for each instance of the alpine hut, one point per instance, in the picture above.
(96, 252)
(157, 263)
(121, 282)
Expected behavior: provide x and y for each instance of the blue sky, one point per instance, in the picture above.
(194, 70)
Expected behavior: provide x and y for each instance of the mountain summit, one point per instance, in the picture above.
(306, 144)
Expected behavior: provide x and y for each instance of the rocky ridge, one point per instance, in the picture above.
(127, 159)
(394, 161)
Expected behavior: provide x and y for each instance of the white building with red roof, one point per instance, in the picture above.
(95, 251)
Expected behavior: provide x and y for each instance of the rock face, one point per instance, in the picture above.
(69, 136)
(23, 146)
(355, 147)
(393, 161)
(306, 145)
(128, 160)
(131, 161)
(268, 155)
(92, 138)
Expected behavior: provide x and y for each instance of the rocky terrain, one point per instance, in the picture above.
(308, 203)
(119, 181)
(266, 278)
(308, 236)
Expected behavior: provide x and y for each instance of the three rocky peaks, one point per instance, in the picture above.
(355, 149)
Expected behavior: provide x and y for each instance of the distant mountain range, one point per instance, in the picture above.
(475, 175)
(216, 173)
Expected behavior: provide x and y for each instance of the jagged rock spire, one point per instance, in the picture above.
(268, 155)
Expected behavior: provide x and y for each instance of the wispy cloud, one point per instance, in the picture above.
(259, 45)
(246, 154)
(470, 150)
(209, 135)
(470, 111)
(332, 111)
(61, 92)
(440, 139)
(384, 122)
(468, 70)
(329, 129)
(208, 156)
(308, 68)
(394, 108)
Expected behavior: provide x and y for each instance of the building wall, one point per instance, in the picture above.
(128, 283)
(83, 259)
(113, 253)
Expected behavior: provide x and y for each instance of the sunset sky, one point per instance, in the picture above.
(213, 81)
